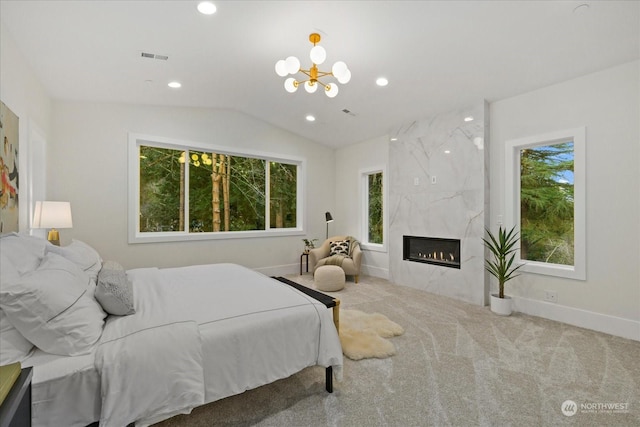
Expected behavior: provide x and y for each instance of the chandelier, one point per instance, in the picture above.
(318, 54)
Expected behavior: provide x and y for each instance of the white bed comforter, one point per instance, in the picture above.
(202, 333)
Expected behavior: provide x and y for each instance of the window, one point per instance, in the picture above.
(282, 195)
(181, 191)
(373, 213)
(545, 183)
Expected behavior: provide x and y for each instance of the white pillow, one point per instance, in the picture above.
(24, 252)
(81, 254)
(13, 346)
(8, 270)
(50, 308)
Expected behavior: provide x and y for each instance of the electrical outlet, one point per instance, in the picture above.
(551, 296)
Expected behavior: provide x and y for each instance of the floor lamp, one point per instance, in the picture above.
(329, 219)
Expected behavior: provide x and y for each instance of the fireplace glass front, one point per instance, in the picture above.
(432, 250)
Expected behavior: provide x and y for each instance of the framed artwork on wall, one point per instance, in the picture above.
(9, 213)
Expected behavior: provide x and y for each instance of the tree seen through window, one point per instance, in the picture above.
(224, 192)
(374, 208)
(547, 203)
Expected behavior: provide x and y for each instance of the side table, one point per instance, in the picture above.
(15, 411)
(304, 254)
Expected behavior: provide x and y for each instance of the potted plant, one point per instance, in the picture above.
(309, 244)
(501, 266)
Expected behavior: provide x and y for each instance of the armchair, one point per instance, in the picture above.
(351, 266)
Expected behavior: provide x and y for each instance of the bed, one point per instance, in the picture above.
(180, 338)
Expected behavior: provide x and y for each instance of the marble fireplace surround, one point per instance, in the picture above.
(439, 187)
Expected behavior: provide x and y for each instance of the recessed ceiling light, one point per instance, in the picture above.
(382, 81)
(310, 118)
(447, 151)
(468, 119)
(206, 8)
(393, 139)
(174, 85)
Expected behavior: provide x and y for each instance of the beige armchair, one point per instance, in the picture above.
(351, 266)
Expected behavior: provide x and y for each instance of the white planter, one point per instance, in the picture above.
(501, 306)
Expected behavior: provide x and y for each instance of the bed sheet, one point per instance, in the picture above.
(65, 390)
(254, 329)
(249, 337)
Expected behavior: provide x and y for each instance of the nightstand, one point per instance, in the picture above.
(15, 410)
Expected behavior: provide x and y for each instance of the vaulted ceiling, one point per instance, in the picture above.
(437, 55)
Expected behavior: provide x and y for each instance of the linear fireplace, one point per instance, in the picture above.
(432, 250)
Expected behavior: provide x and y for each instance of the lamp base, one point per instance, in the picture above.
(54, 237)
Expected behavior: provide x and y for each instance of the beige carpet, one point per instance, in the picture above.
(456, 365)
(363, 335)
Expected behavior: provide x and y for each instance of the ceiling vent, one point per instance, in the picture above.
(154, 56)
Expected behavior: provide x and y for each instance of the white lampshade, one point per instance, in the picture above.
(318, 55)
(332, 90)
(338, 69)
(281, 68)
(293, 64)
(345, 77)
(52, 215)
(311, 88)
(290, 85)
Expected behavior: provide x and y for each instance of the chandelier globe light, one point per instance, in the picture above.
(318, 55)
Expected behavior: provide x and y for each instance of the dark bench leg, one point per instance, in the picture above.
(329, 379)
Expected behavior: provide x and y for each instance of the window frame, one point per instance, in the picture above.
(133, 183)
(512, 198)
(364, 209)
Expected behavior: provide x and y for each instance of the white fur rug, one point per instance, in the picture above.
(363, 335)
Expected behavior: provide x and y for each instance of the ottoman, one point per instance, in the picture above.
(329, 278)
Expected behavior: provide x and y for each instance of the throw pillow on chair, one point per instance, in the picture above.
(340, 247)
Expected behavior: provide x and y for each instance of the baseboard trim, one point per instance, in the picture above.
(370, 270)
(279, 270)
(612, 325)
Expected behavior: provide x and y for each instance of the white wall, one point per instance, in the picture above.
(348, 213)
(88, 166)
(608, 104)
(22, 92)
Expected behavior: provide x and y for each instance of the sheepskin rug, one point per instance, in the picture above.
(363, 335)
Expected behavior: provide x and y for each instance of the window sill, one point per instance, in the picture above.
(557, 270)
(221, 235)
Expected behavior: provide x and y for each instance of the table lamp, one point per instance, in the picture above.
(52, 215)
